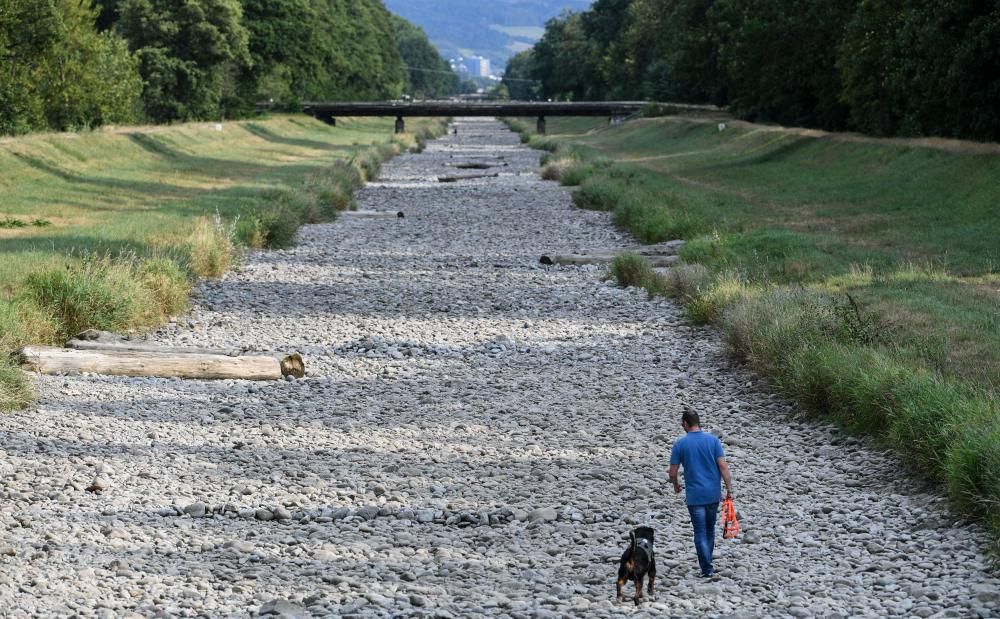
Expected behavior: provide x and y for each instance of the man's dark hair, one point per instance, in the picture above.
(691, 419)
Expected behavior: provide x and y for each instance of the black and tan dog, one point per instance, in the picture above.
(637, 561)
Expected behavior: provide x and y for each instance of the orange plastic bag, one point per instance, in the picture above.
(730, 525)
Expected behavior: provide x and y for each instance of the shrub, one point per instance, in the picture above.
(22, 322)
(15, 392)
(599, 193)
(210, 247)
(685, 281)
(632, 270)
(273, 228)
(574, 175)
(99, 293)
(709, 303)
(655, 218)
(554, 169)
(169, 284)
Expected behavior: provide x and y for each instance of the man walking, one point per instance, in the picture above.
(705, 466)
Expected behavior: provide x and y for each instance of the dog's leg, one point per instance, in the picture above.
(652, 576)
(638, 589)
(618, 587)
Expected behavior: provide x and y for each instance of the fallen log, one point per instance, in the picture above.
(370, 214)
(578, 259)
(464, 177)
(472, 166)
(129, 346)
(670, 248)
(49, 360)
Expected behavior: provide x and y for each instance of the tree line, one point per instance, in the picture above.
(885, 67)
(73, 64)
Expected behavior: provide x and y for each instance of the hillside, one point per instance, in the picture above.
(496, 30)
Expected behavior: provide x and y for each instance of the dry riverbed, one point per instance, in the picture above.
(475, 436)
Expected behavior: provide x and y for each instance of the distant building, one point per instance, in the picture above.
(478, 66)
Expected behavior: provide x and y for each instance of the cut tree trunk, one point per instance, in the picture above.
(48, 360)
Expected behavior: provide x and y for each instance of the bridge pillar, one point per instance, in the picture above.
(400, 125)
(540, 126)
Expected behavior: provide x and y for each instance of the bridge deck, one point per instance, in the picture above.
(615, 110)
(452, 108)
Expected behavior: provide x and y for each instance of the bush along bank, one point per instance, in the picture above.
(812, 338)
(126, 291)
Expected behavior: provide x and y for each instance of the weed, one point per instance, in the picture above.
(15, 392)
(600, 194)
(10, 223)
(99, 293)
(632, 270)
(169, 284)
(210, 247)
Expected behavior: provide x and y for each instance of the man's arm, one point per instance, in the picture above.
(726, 477)
(673, 477)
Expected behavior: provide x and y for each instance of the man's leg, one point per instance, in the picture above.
(711, 515)
(698, 523)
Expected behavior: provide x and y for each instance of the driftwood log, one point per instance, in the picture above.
(370, 214)
(568, 259)
(472, 166)
(464, 177)
(129, 346)
(49, 360)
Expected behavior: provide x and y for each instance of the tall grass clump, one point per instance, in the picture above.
(600, 193)
(97, 293)
(655, 218)
(15, 392)
(632, 270)
(834, 359)
(651, 216)
(519, 127)
(333, 190)
(169, 284)
(210, 247)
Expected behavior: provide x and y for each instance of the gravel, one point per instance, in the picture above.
(476, 435)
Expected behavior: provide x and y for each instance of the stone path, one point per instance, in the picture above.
(476, 436)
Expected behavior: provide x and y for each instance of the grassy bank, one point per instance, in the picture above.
(109, 229)
(862, 276)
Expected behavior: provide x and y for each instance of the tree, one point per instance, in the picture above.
(921, 67)
(185, 50)
(58, 72)
(676, 52)
(779, 58)
(90, 79)
(518, 78)
(358, 52)
(606, 58)
(428, 74)
(28, 29)
(561, 58)
(284, 50)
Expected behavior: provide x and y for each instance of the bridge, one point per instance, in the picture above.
(616, 111)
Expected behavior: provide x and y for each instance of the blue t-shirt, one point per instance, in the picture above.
(697, 452)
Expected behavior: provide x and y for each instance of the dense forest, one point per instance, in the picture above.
(885, 67)
(74, 64)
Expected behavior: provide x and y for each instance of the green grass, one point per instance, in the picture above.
(862, 275)
(108, 229)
